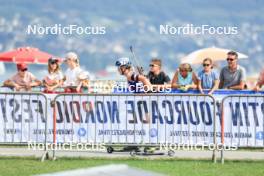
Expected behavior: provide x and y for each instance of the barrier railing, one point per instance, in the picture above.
(23, 118)
(142, 120)
(242, 122)
(135, 119)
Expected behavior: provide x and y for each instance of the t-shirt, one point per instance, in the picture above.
(28, 78)
(232, 78)
(55, 76)
(72, 76)
(52, 78)
(261, 78)
(207, 79)
(161, 78)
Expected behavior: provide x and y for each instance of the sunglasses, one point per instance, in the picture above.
(152, 65)
(229, 59)
(23, 70)
(53, 62)
(206, 65)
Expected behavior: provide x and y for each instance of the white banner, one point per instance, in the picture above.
(244, 121)
(136, 119)
(22, 118)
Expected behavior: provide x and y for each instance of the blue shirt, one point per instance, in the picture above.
(185, 81)
(207, 79)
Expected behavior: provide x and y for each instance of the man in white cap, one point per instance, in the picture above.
(72, 73)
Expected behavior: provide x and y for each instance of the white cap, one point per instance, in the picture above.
(123, 61)
(71, 55)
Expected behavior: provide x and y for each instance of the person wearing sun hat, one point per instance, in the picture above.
(23, 80)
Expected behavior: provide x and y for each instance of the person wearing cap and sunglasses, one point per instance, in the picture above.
(23, 80)
(134, 80)
(184, 78)
(232, 76)
(260, 82)
(72, 74)
(156, 76)
(208, 78)
(54, 79)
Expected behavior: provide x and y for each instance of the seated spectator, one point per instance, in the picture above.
(184, 78)
(158, 77)
(23, 80)
(260, 82)
(134, 80)
(232, 76)
(208, 78)
(72, 80)
(54, 79)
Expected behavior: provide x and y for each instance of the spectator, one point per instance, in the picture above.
(208, 78)
(158, 77)
(184, 78)
(72, 80)
(232, 76)
(23, 80)
(134, 80)
(54, 79)
(260, 82)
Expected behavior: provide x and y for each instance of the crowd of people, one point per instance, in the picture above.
(72, 80)
(232, 76)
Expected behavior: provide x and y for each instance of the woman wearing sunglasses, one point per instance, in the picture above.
(208, 78)
(184, 78)
(54, 79)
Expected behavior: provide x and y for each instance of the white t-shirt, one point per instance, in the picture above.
(55, 76)
(72, 76)
(51, 77)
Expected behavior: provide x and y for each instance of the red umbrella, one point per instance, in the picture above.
(26, 55)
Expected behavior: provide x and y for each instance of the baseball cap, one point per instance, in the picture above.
(22, 66)
(71, 55)
(53, 60)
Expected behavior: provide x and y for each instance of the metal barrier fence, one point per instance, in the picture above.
(242, 123)
(135, 119)
(23, 118)
(142, 120)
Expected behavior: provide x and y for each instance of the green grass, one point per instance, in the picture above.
(30, 166)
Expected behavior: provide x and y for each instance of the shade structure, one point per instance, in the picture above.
(216, 54)
(26, 55)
